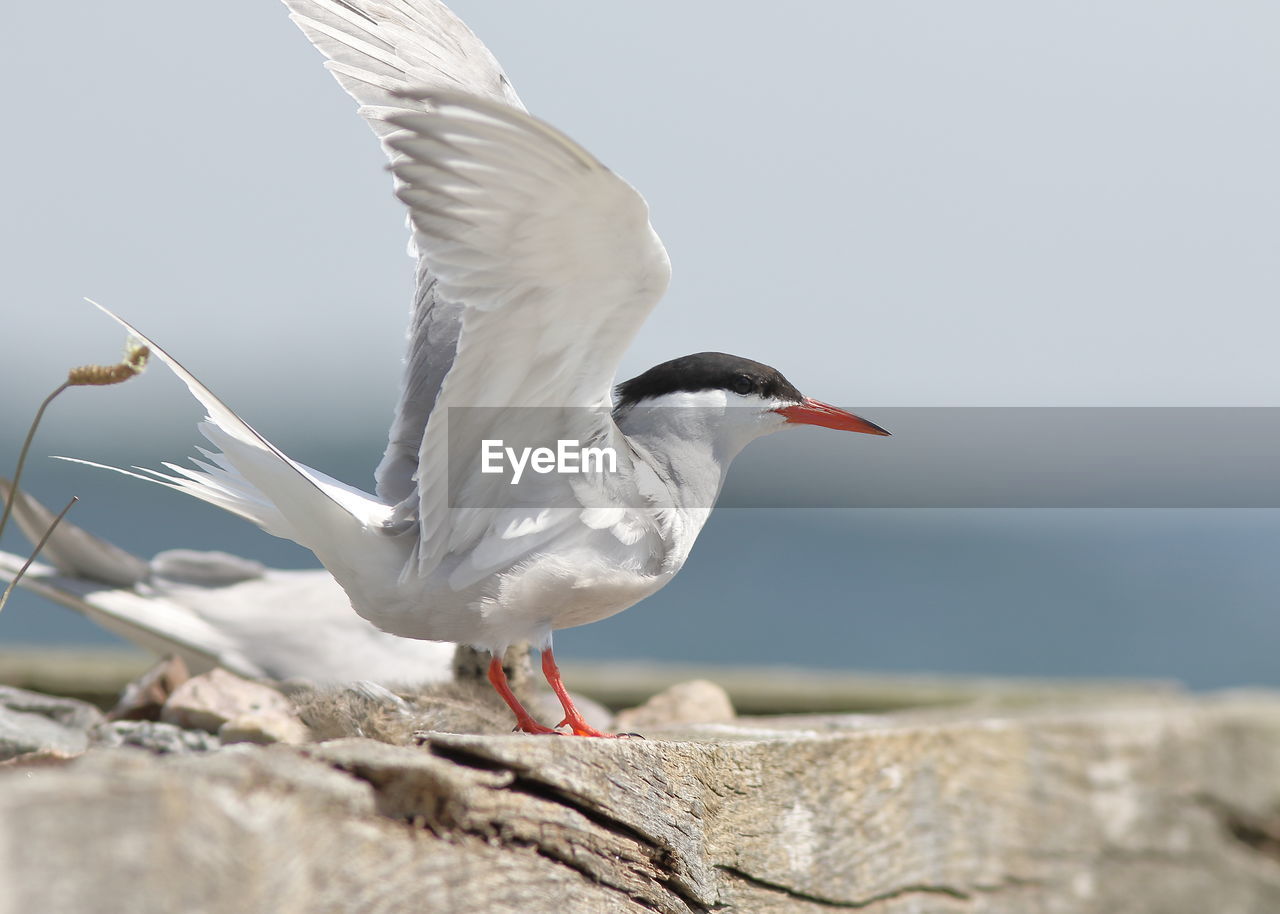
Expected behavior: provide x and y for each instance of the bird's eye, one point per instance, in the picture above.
(743, 384)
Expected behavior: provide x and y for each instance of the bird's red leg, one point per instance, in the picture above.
(572, 716)
(524, 720)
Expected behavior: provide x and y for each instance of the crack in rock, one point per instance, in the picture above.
(845, 904)
(454, 792)
(663, 861)
(1259, 832)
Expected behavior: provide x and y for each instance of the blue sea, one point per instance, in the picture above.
(1179, 593)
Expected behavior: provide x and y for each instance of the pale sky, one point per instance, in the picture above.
(993, 203)
(896, 204)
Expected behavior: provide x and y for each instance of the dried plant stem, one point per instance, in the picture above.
(134, 361)
(40, 545)
(22, 455)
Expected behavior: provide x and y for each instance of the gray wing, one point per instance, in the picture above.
(214, 609)
(71, 550)
(376, 49)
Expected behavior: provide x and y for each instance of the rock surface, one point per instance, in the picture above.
(154, 736)
(698, 701)
(468, 704)
(264, 729)
(35, 723)
(208, 701)
(1157, 807)
(144, 698)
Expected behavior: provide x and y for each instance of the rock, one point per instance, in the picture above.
(31, 722)
(1153, 807)
(208, 701)
(237, 710)
(264, 728)
(471, 665)
(401, 719)
(21, 734)
(698, 701)
(154, 736)
(356, 709)
(144, 698)
(69, 712)
(407, 716)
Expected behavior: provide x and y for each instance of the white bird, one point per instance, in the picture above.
(536, 267)
(214, 609)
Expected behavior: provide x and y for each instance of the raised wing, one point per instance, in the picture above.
(377, 49)
(554, 264)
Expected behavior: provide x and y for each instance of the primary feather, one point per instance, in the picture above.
(378, 51)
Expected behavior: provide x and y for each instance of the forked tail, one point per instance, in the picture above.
(247, 475)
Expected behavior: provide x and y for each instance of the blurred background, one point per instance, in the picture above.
(925, 205)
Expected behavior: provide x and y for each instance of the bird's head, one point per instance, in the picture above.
(724, 397)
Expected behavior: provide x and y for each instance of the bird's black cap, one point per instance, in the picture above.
(708, 371)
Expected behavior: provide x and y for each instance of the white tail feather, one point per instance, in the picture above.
(252, 478)
(236, 500)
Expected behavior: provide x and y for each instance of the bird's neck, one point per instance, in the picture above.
(692, 471)
(691, 461)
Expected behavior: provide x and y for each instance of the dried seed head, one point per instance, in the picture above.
(134, 361)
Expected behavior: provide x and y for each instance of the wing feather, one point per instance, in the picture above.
(554, 264)
(391, 56)
(377, 49)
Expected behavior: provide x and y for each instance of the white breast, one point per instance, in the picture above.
(582, 575)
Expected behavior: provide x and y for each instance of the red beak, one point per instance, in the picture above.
(815, 412)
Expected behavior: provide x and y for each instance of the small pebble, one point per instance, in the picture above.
(208, 701)
(264, 729)
(144, 698)
(698, 701)
(154, 736)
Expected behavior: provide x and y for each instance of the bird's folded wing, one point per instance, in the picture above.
(555, 265)
(216, 609)
(282, 625)
(376, 49)
(299, 624)
(97, 579)
(151, 622)
(70, 549)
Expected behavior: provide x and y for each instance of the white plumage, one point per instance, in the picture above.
(536, 267)
(214, 609)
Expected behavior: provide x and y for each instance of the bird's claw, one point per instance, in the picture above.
(535, 728)
(581, 728)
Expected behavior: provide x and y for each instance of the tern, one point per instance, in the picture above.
(214, 609)
(536, 265)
